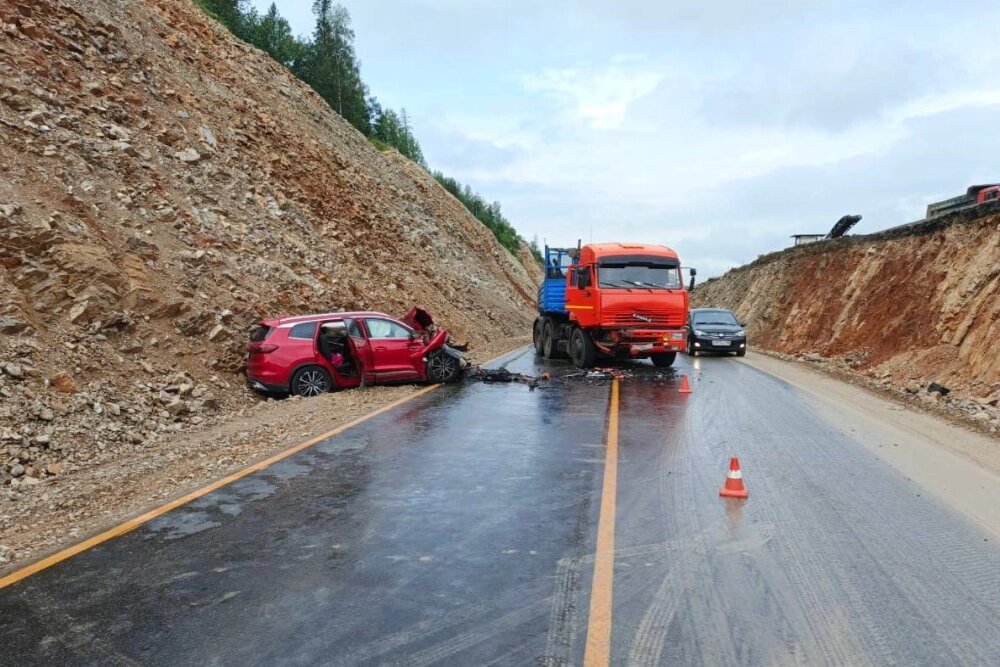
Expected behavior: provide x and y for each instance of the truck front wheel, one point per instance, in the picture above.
(663, 359)
(581, 349)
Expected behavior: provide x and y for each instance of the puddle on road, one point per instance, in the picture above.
(232, 498)
(176, 525)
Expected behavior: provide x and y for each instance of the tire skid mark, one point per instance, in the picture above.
(77, 636)
(900, 527)
(864, 631)
(809, 563)
(561, 636)
(800, 588)
(676, 489)
(650, 634)
(716, 641)
(481, 633)
(892, 528)
(423, 630)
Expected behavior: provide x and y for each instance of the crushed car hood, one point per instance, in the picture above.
(419, 319)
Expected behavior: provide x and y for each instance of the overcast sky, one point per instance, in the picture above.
(716, 128)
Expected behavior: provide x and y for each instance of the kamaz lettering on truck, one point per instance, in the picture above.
(613, 300)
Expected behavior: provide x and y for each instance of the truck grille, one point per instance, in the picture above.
(647, 317)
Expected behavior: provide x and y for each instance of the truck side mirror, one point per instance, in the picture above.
(583, 277)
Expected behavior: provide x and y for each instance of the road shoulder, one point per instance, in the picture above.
(38, 521)
(958, 466)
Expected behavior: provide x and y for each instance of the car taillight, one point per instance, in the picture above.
(262, 348)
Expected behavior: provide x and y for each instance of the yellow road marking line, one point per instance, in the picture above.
(598, 650)
(135, 522)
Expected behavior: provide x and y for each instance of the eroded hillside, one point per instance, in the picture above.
(165, 185)
(908, 307)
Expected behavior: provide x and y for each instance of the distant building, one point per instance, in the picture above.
(801, 239)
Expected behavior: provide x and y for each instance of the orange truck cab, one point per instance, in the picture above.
(621, 300)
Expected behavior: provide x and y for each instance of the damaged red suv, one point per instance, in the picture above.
(312, 354)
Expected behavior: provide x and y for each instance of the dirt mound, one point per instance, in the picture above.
(906, 307)
(164, 186)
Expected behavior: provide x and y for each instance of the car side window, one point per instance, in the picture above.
(353, 330)
(305, 331)
(378, 328)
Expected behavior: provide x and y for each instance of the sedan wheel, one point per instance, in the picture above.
(311, 381)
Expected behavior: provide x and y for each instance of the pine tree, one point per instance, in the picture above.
(273, 34)
(333, 69)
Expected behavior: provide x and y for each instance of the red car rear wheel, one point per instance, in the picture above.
(311, 381)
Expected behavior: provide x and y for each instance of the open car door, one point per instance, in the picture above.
(360, 350)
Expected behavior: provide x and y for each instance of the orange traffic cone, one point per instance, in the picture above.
(734, 482)
(685, 387)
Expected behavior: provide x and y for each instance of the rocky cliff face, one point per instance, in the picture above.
(911, 306)
(163, 186)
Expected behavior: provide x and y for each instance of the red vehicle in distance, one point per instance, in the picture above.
(312, 354)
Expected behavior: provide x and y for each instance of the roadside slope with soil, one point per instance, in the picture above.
(905, 308)
(163, 187)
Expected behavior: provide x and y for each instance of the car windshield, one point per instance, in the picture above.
(715, 317)
(639, 275)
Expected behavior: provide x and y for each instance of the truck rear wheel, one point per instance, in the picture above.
(663, 359)
(550, 344)
(581, 349)
(536, 335)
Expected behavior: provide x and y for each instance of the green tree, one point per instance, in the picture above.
(333, 69)
(393, 130)
(536, 252)
(273, 34)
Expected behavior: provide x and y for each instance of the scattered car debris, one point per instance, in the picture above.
(935, 388)
(502, 375)
(630, 372)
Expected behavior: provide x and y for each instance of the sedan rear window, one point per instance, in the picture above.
(260, 334)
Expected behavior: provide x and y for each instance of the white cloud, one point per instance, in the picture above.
(598, 96)
(739, 124)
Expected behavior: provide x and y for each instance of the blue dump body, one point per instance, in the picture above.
(552, 291)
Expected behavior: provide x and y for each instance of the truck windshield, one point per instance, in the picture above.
(646, 276)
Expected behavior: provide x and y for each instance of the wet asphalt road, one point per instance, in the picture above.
(460, 528)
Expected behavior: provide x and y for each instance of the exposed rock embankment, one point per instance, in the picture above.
(162, 187)
(906, 308)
